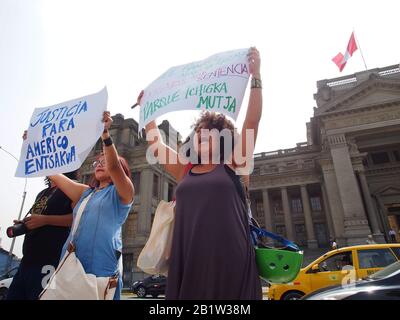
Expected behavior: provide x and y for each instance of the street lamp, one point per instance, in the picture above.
(10, 253)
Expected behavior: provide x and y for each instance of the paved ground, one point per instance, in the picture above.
(131, 296)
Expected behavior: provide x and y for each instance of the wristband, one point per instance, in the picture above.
(256, 83)
(108, 142)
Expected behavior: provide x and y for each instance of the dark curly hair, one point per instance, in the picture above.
(211, 120)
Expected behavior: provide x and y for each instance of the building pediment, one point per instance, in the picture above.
(388, 191)
(372, 92)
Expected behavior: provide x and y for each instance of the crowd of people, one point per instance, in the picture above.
(211, 224)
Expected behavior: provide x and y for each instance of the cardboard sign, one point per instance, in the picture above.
(60, 137)
(217, 83)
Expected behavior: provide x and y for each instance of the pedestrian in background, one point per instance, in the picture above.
(370, 240)
(334, 245)
(392, 235)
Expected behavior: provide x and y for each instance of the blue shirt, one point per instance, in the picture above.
(98, 238)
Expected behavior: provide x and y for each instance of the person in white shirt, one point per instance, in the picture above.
(392, 235)
(370, 240)
(334, 245)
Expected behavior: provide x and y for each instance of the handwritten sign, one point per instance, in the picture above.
(217, 83)
(60, 137)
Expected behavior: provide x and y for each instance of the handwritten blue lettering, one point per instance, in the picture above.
(57, 114)
(50, 161)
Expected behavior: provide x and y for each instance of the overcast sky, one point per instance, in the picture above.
(53, 51)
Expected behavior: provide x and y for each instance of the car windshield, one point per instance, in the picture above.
(386, 271)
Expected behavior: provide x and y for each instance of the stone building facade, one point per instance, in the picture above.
(343, 183)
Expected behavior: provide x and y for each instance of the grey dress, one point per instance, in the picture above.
(212, 256)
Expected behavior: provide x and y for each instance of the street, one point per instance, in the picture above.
(131, 296)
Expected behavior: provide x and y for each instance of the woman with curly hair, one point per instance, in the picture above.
(212, 256)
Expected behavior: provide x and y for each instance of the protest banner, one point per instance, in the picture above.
(217, 83)
(60, 137)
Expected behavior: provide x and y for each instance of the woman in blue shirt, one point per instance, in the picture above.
(98, 237)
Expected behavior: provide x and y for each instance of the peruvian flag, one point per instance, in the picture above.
(340, 60)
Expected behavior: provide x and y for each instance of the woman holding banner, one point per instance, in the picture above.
(97, 240)
(212, 256)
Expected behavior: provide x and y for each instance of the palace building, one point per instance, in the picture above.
(343, 183)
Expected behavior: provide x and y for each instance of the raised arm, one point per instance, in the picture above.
(122, 183)
(72, 189)
(164, 154)
(254, 109)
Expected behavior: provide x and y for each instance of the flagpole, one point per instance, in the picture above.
(358, 45)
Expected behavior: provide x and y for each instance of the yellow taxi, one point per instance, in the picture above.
(340, 266)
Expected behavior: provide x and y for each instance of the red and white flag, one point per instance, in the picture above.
(340, 60)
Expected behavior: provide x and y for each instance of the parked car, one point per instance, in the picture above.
(335, 267)
(153, 285)
(5, 282)
(382, 285)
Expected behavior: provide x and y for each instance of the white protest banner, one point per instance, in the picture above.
(217, 83)
(60, 137)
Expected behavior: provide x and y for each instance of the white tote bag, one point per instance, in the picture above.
(71, 282)
(154, 258)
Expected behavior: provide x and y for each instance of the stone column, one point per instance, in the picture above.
(253, 205)
(328, 215)
(165, 189)
(145, 209)
(372, 216)
(287, 214)
(162, 179)
(384, 216)
(311, 241)
(355, 221)
(267, 214)
(333, 200)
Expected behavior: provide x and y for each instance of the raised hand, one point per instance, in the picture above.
(139, 98)
(254, 62)
(107, 120)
